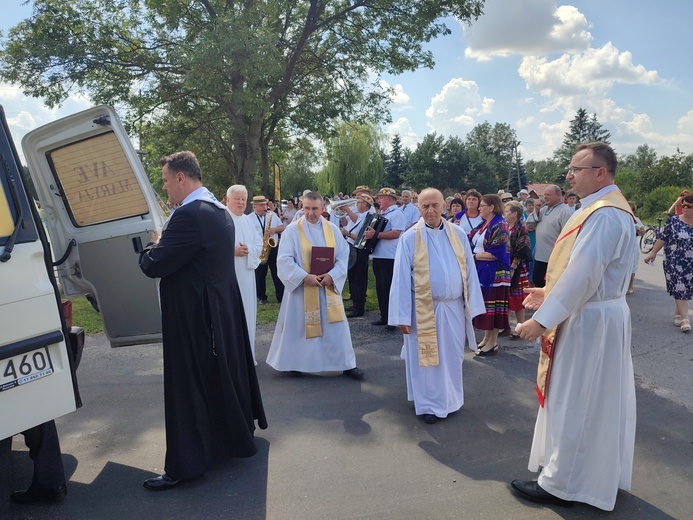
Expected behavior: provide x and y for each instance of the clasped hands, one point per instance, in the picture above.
(318, 280)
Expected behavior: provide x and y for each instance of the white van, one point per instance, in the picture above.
(98, 207)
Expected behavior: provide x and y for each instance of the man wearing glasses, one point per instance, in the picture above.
(585, 431)
(548, 220)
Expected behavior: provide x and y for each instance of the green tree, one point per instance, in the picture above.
(545, 171)
(641, 161)
(353, 158)
(231, 74)
(454, 165)
(583, 129)
(481, 171)
(500, 142)
(298, 168)
(656, 202)
(675, 170)
(424, 162)
(394, 163)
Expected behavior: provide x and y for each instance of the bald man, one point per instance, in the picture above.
(549, 220)
(434, 296)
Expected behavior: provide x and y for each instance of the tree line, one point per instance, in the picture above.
(487, 159)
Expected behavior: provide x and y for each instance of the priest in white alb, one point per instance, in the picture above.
(584, 435)
(246, 255)
(312, 332)
(434, 296)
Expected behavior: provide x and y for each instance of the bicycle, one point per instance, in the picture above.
(647, 240)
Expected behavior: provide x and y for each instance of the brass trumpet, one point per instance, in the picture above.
(337, 206)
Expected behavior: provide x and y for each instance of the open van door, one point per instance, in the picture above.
(99, 208)
(36, 378)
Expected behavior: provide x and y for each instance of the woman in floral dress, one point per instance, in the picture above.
(677, 240)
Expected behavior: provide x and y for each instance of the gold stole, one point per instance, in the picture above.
(311, 295)
(423, 299)
(558, 262)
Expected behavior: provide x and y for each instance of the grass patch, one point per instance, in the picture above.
(84, 315)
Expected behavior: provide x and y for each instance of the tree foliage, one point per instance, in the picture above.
(227, 74)
(583, 129)
(353, 158)
(546, 171)
(395, 163)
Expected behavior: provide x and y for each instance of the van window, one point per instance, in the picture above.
(13, 198)
(98, 184)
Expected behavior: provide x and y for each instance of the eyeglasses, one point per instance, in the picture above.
(573, 169)
(687, 206)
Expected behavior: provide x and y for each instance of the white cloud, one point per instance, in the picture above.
(640, 129)
(404, 129)
(23, 121)
(398, 97)
(685, 123)
(525, 122)
(528, 27)
(590, 73)
(454, 108)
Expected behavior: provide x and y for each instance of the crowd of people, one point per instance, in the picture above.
(443, 269)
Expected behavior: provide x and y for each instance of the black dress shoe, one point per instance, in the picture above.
(429, 418)
(531, 490)
(354, 373)
(379, 322)
(354, 314)
(390, 328)
(490, 352)
(160, 483)
(293, 373)
(34, 495)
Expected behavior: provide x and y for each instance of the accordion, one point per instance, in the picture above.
(378, 223)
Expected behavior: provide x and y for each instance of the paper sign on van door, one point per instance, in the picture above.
(97, 181)
(6, 222)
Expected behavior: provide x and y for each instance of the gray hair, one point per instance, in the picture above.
(406, 192)
(238, 188)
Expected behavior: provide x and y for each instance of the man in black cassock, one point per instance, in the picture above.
(211, 392)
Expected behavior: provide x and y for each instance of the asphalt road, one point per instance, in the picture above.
(341, 449)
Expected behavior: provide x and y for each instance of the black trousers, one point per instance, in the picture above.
(44, 450)
(261, 277)
(539, 273)
(383, 269)
(358, 281)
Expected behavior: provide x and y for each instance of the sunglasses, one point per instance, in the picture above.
(687, 206)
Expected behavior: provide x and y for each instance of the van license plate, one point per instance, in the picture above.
(24, 368)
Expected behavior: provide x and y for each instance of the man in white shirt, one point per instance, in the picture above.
(411, 212)
(261, 219)
(385, 250)
(358, 274)
(549, 220)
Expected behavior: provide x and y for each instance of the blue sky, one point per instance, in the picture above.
(528, 63)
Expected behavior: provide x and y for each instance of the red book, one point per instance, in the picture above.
(321, 260)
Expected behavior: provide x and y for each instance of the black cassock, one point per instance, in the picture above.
(211, 392)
